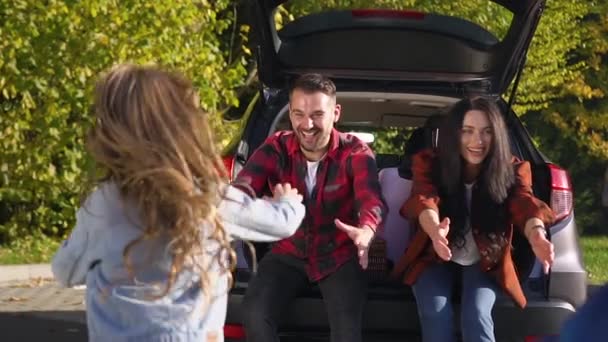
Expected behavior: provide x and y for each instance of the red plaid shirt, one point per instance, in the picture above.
(347, 188)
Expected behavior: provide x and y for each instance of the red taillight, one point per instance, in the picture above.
(561, 192)
(229, 164)
(387, 13)
(234, 331)
(539, 338)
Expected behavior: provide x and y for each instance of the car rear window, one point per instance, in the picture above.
(382, 140)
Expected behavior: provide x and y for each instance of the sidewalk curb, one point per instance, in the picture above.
(24, 272)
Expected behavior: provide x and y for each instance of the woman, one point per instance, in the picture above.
(467, 198)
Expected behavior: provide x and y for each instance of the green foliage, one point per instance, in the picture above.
(30, 249)
(581, 114)
(550, 71)
(391, 140)
(595, 257)
(573, 129)
(50, 54)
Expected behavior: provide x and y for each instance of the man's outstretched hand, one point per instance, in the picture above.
(362, 238)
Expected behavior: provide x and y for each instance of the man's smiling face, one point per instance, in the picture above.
(312, 116)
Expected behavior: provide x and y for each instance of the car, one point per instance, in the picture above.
(397, 71)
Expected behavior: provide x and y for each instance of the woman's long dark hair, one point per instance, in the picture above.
(496, 177)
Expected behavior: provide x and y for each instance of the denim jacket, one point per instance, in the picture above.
(123, 308)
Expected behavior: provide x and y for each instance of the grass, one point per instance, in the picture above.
(29, 250)
(40, 249)
(595, 254)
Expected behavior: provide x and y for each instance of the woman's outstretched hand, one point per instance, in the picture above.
(437, 232)
(440, 239)
(542, 247)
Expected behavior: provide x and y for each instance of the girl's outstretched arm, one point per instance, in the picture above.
(262, 220)
(70, 264)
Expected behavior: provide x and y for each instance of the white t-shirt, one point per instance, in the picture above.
(469, 253)
(311, 175)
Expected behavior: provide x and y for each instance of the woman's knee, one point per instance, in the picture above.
(477, 310)
(437, 308)
(476, 320)
(478, 326)
(474, 317)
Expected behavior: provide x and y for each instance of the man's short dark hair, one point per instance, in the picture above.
(311, 83)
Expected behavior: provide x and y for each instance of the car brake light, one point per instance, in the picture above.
(229, 164)
(540, 338)
(234, 331)
(387, 13)
(561, 192)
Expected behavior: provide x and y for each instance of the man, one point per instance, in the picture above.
(337, 174)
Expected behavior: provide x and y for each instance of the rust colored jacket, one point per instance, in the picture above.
(494, 249)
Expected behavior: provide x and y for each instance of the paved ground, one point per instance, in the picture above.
(39, 310)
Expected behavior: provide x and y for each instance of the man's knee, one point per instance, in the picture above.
(255, 313)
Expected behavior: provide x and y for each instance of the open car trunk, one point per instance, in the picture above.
(429, 50)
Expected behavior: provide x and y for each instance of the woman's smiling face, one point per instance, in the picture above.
(475, 137)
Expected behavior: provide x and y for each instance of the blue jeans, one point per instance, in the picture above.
(433, 292)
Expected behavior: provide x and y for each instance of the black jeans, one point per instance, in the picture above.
(279, 280)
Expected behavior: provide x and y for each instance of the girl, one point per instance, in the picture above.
(152, 241)
(467, 198)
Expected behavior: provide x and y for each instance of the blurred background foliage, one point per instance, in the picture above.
(50, 56)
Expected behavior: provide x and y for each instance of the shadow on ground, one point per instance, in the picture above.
(42, 326)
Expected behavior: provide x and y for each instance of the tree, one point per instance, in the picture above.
(50, 56)
(573, 129)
